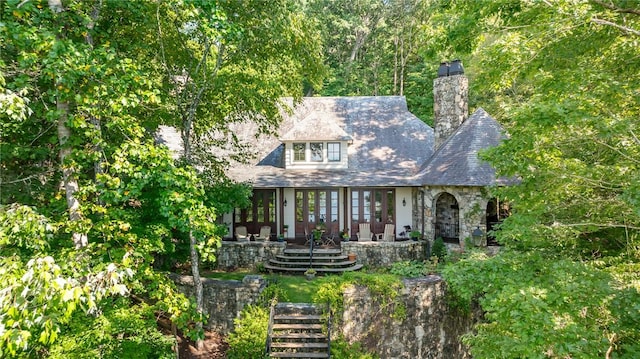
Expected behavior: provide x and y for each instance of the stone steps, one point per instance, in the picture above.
(297, 331)
(323, 260)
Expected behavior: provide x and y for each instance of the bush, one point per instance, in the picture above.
(340, 349)
(439, 249)
(409, 269)
(250, 334)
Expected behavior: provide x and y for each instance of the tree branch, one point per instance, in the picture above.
(593, 224)
(616, 9)
(624, 29)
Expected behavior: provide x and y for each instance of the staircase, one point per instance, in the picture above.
(296, 331)
(323, 260)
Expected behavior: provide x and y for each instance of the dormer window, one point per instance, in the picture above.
(333, 151)
(299, 152)
(316, 151)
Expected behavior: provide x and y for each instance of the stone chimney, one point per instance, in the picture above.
(450, 100)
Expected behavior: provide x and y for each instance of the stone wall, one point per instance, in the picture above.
(224, 299)
(384, 254)
(472, 203)
(232, 255)
(428, 330)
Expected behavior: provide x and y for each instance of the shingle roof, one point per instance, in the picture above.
(388, 144)
(456, 162)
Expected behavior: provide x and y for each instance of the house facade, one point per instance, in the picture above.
(342, 161)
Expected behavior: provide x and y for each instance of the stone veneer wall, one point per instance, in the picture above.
(224, 299)
(429, 329)
(384, 254)
(232, 255)
(472, 204)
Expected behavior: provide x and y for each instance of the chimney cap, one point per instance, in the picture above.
(443, 70)
(456, 68)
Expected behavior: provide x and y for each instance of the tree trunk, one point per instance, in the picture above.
(69, 182)
(197, 281)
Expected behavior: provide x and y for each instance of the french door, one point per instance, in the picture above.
(261, 212)
(314, 207)
(375, 206)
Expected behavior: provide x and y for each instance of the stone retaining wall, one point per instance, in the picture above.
(384, 254)
(428, 330)
(234, 255)
(224, 299)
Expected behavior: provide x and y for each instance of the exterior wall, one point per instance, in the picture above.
(232, 255)
(404, 214)
(429, 329)
(472, 203)
(384, 254)
(450, 105)
(224, 299)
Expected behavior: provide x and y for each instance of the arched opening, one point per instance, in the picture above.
(497, 211)
(447, 218)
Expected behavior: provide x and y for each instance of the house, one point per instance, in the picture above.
(342, 161)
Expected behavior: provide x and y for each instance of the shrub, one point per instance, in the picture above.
(439, 249)
(340, 349)
(250, 334)
(409, 269)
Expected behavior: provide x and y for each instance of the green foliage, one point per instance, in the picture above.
(250, 334)
(123, 330)
(439, 249)
(385, 288)
(340, 349)
(538, 304)
(273, 292)
(409, 269)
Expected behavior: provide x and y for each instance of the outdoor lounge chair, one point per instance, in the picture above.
(364, 235)
(388, 235)
(241, 234)
(264, 235)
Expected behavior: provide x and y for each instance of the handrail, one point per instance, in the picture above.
(311, 243)
(270, 327)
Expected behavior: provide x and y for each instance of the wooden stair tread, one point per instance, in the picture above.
(284, 326)
(299, 355)
(299, 336)
(299, 345)
(296, 317)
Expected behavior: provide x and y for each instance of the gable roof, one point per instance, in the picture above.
(387, 144)
(456, 162)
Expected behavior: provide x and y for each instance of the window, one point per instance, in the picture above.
(299, 152)
(333, 151)
(316, 151)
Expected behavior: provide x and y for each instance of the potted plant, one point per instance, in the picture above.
(345, 234)
(280, 238)
(317, 235)
(310, 273)
(352, 257)
(415, 235)
(286, 228)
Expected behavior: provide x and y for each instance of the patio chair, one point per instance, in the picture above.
(241, 234)
(264, 235)
(330, 239)
(388, 235)
(364, 235)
